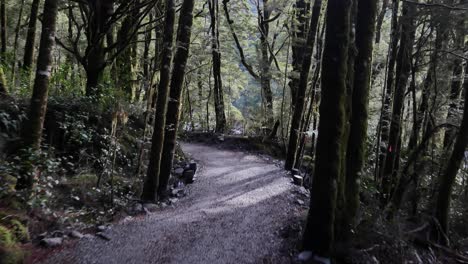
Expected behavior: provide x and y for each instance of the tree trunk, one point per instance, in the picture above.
(299, 27)
(403, 68)
(319, 232)
(216, 53)
(448, 178)
(457, 80)
(32, 130)
(302, 88)
(265, 76)
(15, 43)
(152, 178)
(3, 27)
(387, 101)
(356, 149)
(177, 80)
(380, 20)
(31, 36)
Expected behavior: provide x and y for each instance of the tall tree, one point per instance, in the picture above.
(216, 54)
(356, 148)
(302, 87)
(319, 232)
(447, 179)
(403, 67)
(175, 99)
(30, 43)
(152, 177)
(3, 28)
(32, 130)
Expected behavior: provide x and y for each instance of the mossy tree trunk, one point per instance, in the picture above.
(152, 177)
(302, 88)
(299, 27)
(216, 54)
(319, 232)
(32, 129)
(173, 109)
(403, 68)
(29, 45)
(356, 148)
(447, 179)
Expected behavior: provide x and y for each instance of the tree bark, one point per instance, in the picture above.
(403, 68)
(3, 27)
(356, 149)
(302, 88)
(448, 178)
(216, 54)
(31, 36)
(380, 20)
(152, 177)
(177, 80)
(32, 130)
(387, 101)
(319, 232)
(265, 76)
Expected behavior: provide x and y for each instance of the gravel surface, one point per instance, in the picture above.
(238, 211)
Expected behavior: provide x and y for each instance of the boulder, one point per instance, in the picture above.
(298, 180)
(52, 242)
(188, 176)
(75, 234)
(103, 236)
(179, 172)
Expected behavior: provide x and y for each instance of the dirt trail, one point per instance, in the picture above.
(238, 211)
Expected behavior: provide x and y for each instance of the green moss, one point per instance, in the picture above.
(6, 238)
(20, 231)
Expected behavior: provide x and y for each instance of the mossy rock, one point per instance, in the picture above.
(11, 255)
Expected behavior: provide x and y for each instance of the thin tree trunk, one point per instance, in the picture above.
(216, 54)
(177, 80)
(15, 44)
(380, 20)
(3, 27)
(403, 68)
(150, 187)
(319, 232)
(387, 102)
(302, 88)
(32, 131)
(447, 180)
(31, 36)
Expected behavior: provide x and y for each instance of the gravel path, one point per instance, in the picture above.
(238, 211)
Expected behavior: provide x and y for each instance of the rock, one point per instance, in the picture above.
(163, 205)
(57, 233)
(75, 234)
(88, 236)
(188, 176)
(300, 202)
(305, 257)
(178, 192)
(102, 228)
(103, 236)
(298, 180)
(52, 242)
(150, 207)
(42, 236)
(193, 166)
(295, 172)
(173, 200)
(179, 172)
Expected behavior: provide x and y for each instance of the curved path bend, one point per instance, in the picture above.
(236, 212)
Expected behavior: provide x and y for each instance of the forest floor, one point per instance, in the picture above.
(242, 208)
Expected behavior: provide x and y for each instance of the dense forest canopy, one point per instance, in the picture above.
(365, 100)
